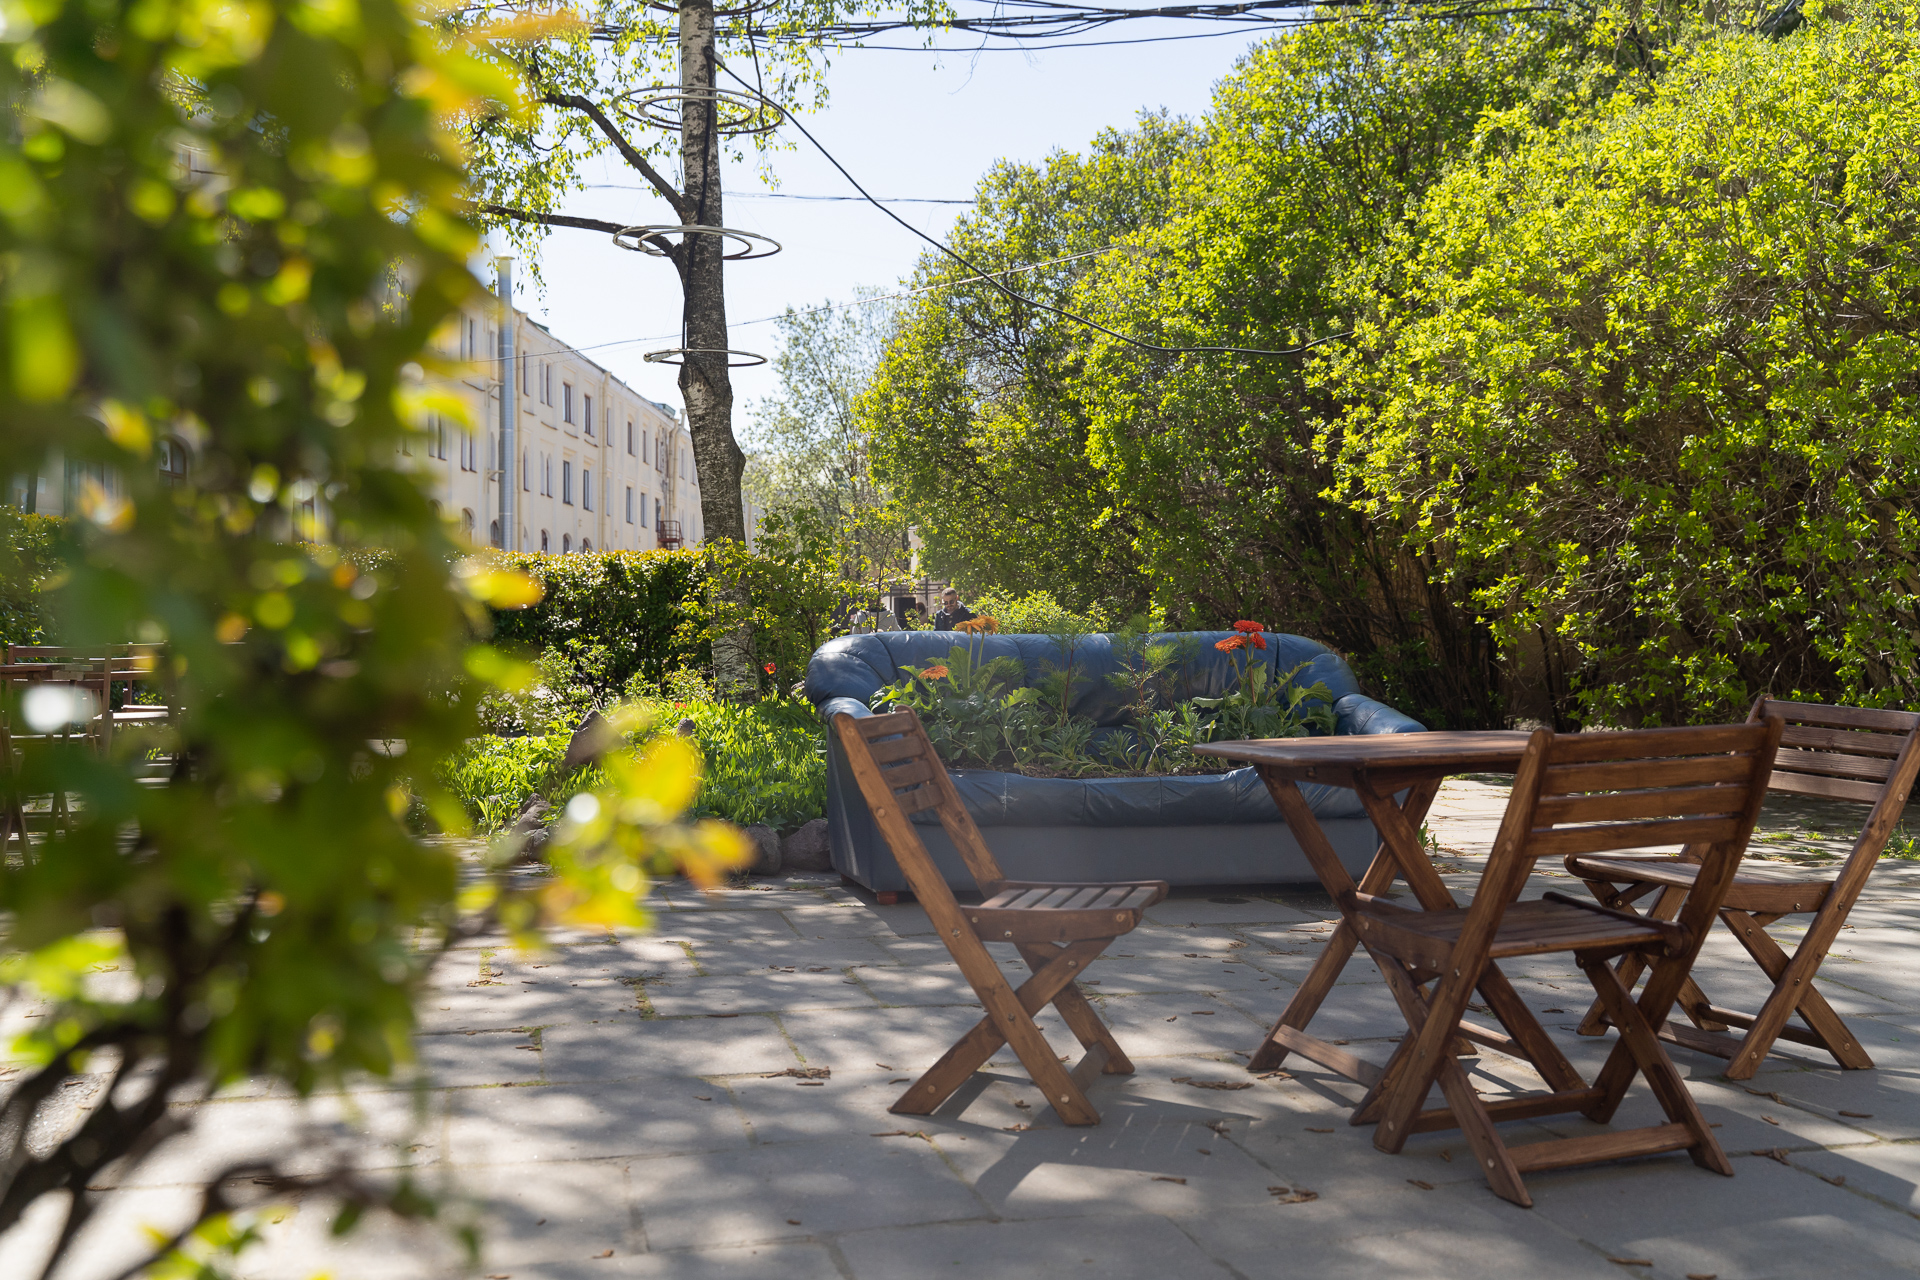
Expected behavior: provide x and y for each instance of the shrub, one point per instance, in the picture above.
(618, 614)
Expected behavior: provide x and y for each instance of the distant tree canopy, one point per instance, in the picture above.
(1599, 377)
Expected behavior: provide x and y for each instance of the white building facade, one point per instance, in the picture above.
(599, 468)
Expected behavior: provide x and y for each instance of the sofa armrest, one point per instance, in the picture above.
(852, 706)
(1357, 713)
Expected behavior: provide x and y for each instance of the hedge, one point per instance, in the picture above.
(635, 603)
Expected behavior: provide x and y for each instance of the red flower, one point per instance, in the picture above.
(1231, 643)
(769, 668)
(1244, 625)
(1257, 640)
(934, 672)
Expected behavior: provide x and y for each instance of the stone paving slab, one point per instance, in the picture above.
(709, 1100)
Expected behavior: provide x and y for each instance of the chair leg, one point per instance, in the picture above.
(1633, 964)
(1079, 1015)
(1638, 1040)
(1793, 992)
(972, 1050)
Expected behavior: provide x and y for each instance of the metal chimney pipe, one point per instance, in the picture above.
(509, 410)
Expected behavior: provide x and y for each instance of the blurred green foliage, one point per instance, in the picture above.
(233, 228)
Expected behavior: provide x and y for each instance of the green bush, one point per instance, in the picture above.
(632, 604)
(764, 763)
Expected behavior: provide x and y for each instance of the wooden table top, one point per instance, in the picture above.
(1469, 751)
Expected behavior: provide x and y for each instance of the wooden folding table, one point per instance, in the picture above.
(1377, 767)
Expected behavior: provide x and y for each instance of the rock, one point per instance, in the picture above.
(686, 728)
(808, 849)
(766, 844)
(531, 829)
(588, 742)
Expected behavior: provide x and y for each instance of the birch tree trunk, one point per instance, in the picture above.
(705, 386)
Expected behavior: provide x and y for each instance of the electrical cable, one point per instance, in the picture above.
(1032, 302)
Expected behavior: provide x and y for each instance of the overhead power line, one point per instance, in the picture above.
(1017, 22)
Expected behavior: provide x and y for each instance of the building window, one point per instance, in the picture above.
(173, 462)
(493, 532)
(566, 483)
(526, 388)
(586, 488)
(437, 437)
(629, 504)
(586, 410)
(543, 542)
(526, 482)
(629, 437)
(566, 402)
(586, 545)
(659, 454)
(466, 522)
(469, 451)
(656, 513)
(566, 544)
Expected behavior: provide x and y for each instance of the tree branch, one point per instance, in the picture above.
(682, 207)
(552, 219)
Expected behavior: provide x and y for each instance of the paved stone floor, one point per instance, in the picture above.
(642, 1106)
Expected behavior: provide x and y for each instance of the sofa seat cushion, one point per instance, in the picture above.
(998, 799)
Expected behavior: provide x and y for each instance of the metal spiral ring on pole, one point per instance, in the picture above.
(678, 355)
(635, 238)
(648, 106)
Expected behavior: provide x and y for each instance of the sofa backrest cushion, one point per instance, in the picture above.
(859, 667)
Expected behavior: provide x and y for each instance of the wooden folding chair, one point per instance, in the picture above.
(1057, 928)
(1836, 753)
(1578, 793)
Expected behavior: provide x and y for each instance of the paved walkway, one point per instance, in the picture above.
(709, 1100)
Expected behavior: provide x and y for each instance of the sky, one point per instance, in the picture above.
(905, 124)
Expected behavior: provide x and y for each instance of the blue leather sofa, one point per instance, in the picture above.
(1215, 829)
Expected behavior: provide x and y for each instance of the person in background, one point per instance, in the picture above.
(952, 612)
(914, 616)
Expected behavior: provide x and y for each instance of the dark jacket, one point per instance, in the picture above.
(947, 619)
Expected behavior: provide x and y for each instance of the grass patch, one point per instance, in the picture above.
(764, 762)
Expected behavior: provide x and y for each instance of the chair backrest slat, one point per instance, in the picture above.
(1834, 764)
(1656, 802)
(1852, 741)
(1637, 775)
(1825, 788)
(1879, 719)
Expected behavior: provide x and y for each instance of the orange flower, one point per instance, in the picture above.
(1231, 643)
(769, 668)
(1257, 640)
(935, 672)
